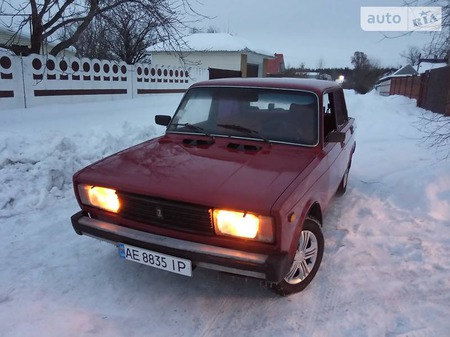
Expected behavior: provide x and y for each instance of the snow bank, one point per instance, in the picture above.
(398, 158)
(42, 148)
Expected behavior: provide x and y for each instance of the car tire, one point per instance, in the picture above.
(306, 261)
(343, 185)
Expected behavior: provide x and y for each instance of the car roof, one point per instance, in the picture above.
(317, 86)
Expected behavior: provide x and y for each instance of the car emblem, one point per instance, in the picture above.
(159, 212)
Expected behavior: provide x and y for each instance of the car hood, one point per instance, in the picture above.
(229, 173)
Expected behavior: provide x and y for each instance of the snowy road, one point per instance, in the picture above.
(386, 268)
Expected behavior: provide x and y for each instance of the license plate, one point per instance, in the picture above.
(154, 259)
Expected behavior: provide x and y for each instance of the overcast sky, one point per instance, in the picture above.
(310, 31)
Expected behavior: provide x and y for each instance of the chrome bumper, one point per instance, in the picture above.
(115, 231)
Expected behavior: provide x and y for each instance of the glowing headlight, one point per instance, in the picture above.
(244, 225)
(101, 197)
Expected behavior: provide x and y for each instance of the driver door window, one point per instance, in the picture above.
(329, 117)
(334, 112)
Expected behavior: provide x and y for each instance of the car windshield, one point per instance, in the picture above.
(272, 115)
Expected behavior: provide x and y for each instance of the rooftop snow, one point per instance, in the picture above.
(212, 42)
(425, 66)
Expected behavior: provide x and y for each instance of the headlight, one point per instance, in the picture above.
(244, 225)
(101, 197)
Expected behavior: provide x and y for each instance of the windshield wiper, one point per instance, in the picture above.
(244, 130)
(195, 128)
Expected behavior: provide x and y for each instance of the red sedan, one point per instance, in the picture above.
(238, 183)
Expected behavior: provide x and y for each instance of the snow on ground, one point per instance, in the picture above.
(386, 268)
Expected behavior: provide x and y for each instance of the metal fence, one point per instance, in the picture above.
(431, 89)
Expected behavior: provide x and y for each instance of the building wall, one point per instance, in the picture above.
(253, 58)
(221, 60)
(4, 36)
(384, 88)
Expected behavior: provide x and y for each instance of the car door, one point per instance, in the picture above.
(335, 119)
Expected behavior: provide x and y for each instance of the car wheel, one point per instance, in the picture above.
(343, 185)
(306, 261)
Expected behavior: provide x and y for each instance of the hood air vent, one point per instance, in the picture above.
(244, 147)
(198, 142)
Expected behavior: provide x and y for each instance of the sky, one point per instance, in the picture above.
(310, 32)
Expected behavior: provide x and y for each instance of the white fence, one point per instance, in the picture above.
(36, 80)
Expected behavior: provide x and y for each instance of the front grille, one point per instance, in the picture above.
(166, 213)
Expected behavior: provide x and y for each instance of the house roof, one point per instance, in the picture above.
(212, 42)
(407, 70)
(425, 66)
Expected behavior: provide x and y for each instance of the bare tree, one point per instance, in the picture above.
(66, 20)
(412, 55)
(122, 33)
(208, 30)
(320, 63)
(440, 44)
(436, 128)
(130, 32)
(212, 30)
(92, 42)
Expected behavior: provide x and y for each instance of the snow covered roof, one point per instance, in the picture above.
(425, 66)
(211, 42)
(407, 70)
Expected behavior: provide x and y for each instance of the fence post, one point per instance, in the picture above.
(23, 82)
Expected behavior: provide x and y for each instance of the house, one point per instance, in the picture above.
(223, 54)
(383, 85)
(9, 37)
(276, 65)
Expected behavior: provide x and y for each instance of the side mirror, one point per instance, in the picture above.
(336, 137)
(162, 120)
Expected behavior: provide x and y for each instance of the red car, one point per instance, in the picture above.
(238, 183)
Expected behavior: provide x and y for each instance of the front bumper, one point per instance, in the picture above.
(272, 268)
